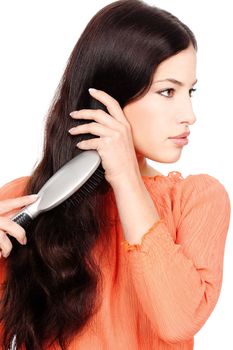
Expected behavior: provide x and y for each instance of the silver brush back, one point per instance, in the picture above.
(67, 180)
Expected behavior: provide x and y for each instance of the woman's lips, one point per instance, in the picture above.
(180, 141)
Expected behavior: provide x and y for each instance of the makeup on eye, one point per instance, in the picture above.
(173, 90)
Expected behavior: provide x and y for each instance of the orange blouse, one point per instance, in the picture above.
(158, 294)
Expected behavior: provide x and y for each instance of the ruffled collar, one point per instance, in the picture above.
(171, 175)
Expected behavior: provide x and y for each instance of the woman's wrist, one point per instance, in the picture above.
(136, 208)
(131, 177)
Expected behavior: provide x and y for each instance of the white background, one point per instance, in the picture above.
(36, 40)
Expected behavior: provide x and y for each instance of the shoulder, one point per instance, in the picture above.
(201, 190)
(180, 188)
(199, 183)
(14, 188)
(191, 185)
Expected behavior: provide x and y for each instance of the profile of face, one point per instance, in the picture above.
(165, 111)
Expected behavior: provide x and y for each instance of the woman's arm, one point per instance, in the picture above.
(135, 206)
(178, 284)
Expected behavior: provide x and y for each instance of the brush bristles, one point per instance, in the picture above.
(87, 188)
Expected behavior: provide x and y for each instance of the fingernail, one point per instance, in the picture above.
(33, 196)
(72, 113)
(92, 90)
(24, 240)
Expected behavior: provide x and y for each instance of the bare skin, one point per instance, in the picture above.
(9, 226)
(164, 111)
(145, 168)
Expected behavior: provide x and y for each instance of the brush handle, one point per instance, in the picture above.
(24, 220)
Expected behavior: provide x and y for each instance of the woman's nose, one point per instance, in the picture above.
(187, 115)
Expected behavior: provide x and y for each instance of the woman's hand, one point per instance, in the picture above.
(10, 227)
(115, 144)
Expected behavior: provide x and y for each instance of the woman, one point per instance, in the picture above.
(138, 264)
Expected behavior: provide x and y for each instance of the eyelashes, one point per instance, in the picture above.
(191, 91)
(173, 91)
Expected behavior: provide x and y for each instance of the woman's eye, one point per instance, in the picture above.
(191, 91)
(170, 92)
(167, 91)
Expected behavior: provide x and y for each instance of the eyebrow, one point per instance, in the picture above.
(173, 81)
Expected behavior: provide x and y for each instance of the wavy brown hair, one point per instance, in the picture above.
(53, 286)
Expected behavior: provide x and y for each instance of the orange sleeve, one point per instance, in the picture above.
(178, 283)
(11, 189)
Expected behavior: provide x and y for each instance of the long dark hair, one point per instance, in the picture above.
(53, 285)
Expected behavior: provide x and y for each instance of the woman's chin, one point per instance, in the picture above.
(173, 156)
(168, 157)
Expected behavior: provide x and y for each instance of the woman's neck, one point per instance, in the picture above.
(145, 169)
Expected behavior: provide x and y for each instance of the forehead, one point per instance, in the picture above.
(181, 66)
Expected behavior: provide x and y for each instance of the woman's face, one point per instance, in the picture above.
(166, 109)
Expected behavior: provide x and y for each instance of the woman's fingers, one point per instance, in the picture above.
(8, 226)
(115, 142)
(13, 229)
(98, 116)
(5, 245)
(94, 128)
(111, 104)
(15, 203)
